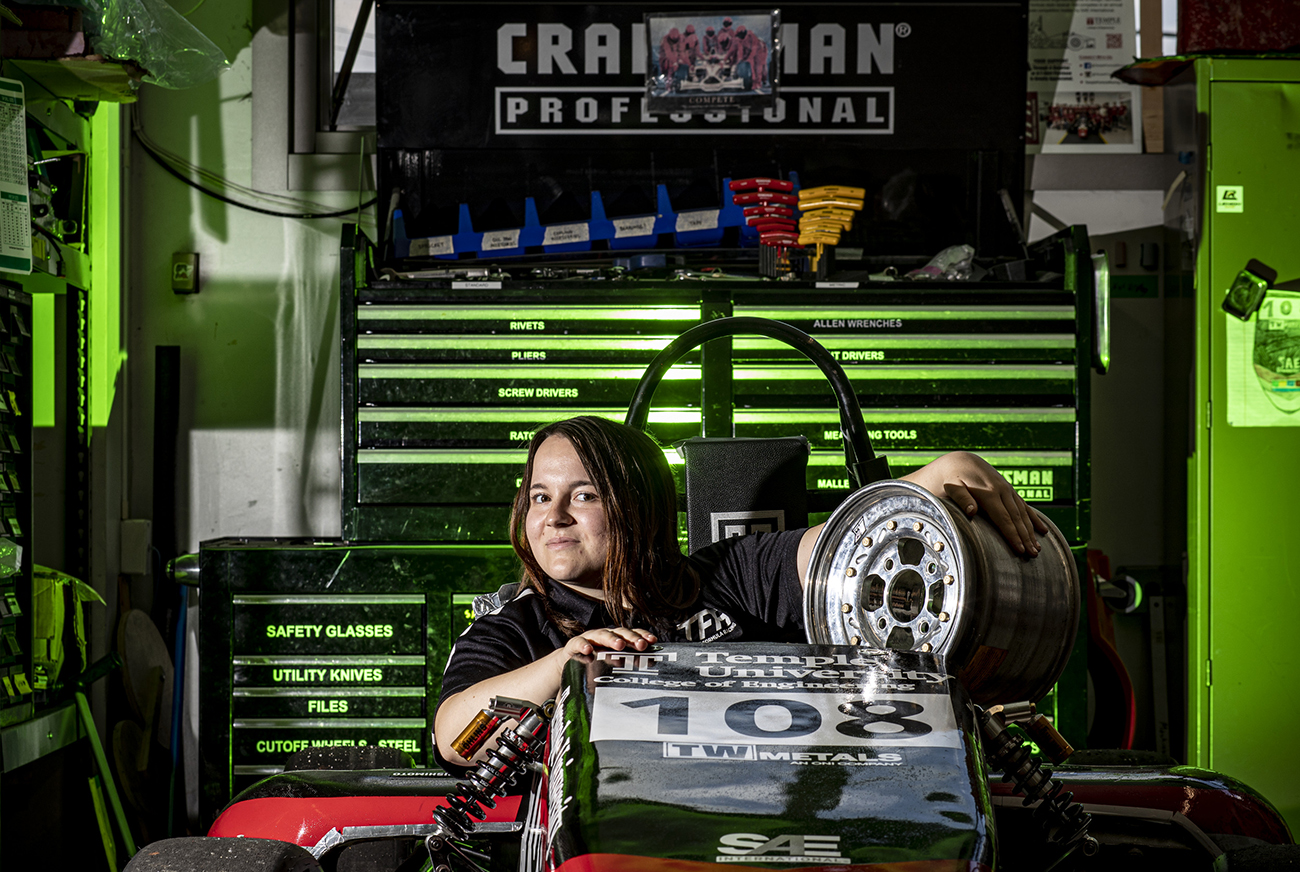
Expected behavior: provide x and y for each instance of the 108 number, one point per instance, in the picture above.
(867, 718)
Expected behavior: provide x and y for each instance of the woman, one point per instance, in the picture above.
(595, 524)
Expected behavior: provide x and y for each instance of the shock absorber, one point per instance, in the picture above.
(1064, 822)
(516, 749)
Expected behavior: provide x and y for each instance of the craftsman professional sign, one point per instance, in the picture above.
(456, 75)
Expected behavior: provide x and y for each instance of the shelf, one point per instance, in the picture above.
(44, 734)
(92, 77)
(1105, 172)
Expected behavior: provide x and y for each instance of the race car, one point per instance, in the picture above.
(694, 757)
(710, 74)
(866, 749)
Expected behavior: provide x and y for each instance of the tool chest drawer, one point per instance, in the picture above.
(445, 381)
(318, 643)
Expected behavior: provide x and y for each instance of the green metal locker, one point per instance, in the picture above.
(1244, 474)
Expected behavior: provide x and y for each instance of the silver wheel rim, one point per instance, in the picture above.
(889, 570)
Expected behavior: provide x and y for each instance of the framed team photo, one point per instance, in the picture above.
(700, 63)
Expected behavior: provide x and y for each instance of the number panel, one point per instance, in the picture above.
(811, 719)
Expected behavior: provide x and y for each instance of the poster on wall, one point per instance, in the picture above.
(711, 61)
(15, 209)
(1263, 362)
(1073, 105)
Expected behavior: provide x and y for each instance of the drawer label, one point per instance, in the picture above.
(541, 393)
(265, 746)
(856, 323)
(642, 226)
(703, 219)
(499, 240)
(320, 628)
(331, 631)
(432, 245)
(405, 674)
(559, 234)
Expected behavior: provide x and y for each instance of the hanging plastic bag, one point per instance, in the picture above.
(48, 608)
(158, 38)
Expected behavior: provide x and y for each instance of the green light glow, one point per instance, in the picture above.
(513, 341)
(500, 456)
(482, 456)
(918, 313)
(915, 373)
(496, 371)
(330, 723)
(349, 660)
(936, 416)
(105, 243)
(514, 416)
(253, 599)
(438, 548)
(513, 313)
(921, 458)
(946, 340)
(274, 692)
(43, 414)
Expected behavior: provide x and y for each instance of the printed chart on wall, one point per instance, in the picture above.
(1264, 364)
(1073, 105)
(15, 210)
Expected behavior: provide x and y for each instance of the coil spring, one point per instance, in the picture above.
(1063, 821)
(515, 751)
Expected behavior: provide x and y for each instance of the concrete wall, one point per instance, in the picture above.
(259, 428)
(259, 423)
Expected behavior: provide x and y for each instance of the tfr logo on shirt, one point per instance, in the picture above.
(706, 625)
(785, 848)
(728, 525)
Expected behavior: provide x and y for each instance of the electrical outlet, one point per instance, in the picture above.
(137, 542)
(185, 272)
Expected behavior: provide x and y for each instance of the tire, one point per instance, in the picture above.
(202, 854)
(350, 759)
(1260, 858)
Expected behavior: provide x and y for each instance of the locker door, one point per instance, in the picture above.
(1254, 440)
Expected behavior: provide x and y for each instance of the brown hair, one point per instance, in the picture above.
(645, 572)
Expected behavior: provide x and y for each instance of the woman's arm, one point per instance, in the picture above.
(536, 682)
(969, 481)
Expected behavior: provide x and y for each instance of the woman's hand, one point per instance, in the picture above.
(537, 681)
(970, 482)
(583, 647)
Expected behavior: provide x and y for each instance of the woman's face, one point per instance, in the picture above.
(566, 518)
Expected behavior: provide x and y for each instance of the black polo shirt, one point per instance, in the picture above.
(749, 590)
